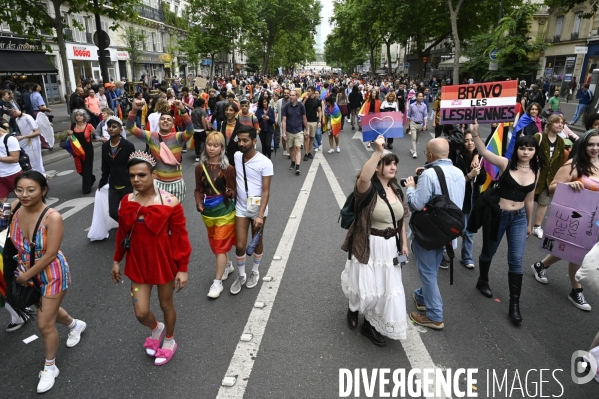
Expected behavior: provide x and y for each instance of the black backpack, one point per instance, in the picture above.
(24, 160)
(440, 222)
(348, 212)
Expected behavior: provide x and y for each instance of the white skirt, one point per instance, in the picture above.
(375, 289)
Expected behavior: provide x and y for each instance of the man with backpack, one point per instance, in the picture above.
(420, 199)
(10, 151)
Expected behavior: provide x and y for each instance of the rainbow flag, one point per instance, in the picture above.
(76, 149)
(496, 147)
(220, 223)
(335, 117)
(2, 281)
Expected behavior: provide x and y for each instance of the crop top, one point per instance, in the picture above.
(511, 190)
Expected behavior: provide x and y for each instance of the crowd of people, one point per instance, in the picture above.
(222, 122)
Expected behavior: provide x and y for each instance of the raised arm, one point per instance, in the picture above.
(496, 160)
(369, 168)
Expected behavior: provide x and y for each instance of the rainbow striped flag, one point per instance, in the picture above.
(2, 281)
(496, 147)
(220, 223)
(335, 117)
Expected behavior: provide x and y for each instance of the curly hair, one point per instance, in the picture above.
(79, 111)
(162, 106)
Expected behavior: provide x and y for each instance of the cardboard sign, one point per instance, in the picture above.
(570, 230)
(487, 102)
(200, 83)
(389, 124)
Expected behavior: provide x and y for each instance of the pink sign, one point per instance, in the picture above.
(571, 229)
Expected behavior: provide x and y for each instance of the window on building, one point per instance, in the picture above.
(176, 10)
(159, 42)
(577, 23)
(4, 27)
(150, 42)
(559, 26)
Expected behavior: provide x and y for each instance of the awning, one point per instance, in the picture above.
(25, 63)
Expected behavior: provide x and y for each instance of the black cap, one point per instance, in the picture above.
(230, 95)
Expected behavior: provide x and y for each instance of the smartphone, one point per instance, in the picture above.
(402, 182)
(402, 258)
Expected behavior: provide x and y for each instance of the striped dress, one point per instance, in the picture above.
(334, 116)
(56, 277)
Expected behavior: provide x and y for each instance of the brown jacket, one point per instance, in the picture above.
(358, 234)
(230, 180)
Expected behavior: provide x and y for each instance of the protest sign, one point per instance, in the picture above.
(200, 83)
(487, 102)
(389, 124)
(570, 230)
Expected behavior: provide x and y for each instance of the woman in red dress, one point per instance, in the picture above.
(153, 235)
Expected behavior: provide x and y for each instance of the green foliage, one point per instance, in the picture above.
(134, 40)
(567, 5)
(171, 18)
(518, 53)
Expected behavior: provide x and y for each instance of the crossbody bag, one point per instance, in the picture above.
(253, 202)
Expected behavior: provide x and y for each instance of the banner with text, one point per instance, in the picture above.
(487, 102)
(570, 230)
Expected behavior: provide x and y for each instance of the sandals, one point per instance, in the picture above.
(152, 346)
(166, 354)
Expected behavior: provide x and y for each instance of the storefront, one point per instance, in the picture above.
(559, 71)
(84, 64)
(150, 65)
(591, 62)
(122, 56)
(24, 62)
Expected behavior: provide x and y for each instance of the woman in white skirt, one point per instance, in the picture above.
(371, 279)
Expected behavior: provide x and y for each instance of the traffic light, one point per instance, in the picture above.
(106, 55)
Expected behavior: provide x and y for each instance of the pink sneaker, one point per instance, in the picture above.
(163, 356)
(153, 345)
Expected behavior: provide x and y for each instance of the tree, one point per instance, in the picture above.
(567, 5)
(29, 18)
(453, 16)
(342, 52)
(134, 40)
(518, 53)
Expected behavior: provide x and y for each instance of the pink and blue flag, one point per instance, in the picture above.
(388, 124)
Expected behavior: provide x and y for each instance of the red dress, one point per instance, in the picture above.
(160, 245)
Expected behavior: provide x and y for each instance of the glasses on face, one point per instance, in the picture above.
(19, 192)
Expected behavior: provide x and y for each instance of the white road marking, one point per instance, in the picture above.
(358, 136)
(77, 204)
(245, 354)
(413, 346)
(65, 172)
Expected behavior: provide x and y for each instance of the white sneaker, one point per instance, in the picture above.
(75, 334)
(320, 147)
(537, 231)
(316, 149)
(215, 290)
(228, 270)
(338, 149)
(414, 155)
(253, 280)
(331, 151)
(285, 153)
(47, 378)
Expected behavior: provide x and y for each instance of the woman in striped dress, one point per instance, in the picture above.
(215, 199)
(333, 122)
(50, 271)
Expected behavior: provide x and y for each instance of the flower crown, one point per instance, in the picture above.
(144, 156)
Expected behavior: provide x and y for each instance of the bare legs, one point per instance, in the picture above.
(48, 315)
(140, 295)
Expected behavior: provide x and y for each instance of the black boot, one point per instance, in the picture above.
(515, 283)
(483, 279)
(352, 319)
(371, 333)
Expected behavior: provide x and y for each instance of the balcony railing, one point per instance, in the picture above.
(68, 35)
(150, 13)
(89, 38)
(574, 36)
(556, 38)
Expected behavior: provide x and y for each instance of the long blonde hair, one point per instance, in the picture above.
(216, 138)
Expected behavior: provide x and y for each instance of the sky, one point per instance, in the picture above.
(326, 13)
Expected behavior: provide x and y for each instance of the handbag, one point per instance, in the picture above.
(588, 274)
(253, 202)
(166, 154)
(18, 296)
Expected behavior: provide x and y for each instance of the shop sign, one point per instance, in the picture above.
(150, 58)
(19, 44)
(581, 49)
(568, 77)
(548, 72)
(77, 52)
(570, 61)
(122, 55)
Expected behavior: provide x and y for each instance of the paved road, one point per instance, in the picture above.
(300, 338)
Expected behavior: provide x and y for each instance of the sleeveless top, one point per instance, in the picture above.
(381, 217)
(512, 191)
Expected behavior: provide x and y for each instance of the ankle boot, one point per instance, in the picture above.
(515, 283)
(483, 279)
(371, 333)
(352, 319)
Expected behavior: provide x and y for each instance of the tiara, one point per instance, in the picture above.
(144, 156)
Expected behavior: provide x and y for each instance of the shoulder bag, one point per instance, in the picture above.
(253, 202)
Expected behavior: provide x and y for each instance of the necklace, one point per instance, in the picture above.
(145, 201)
(117, 144)
(523, 166)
